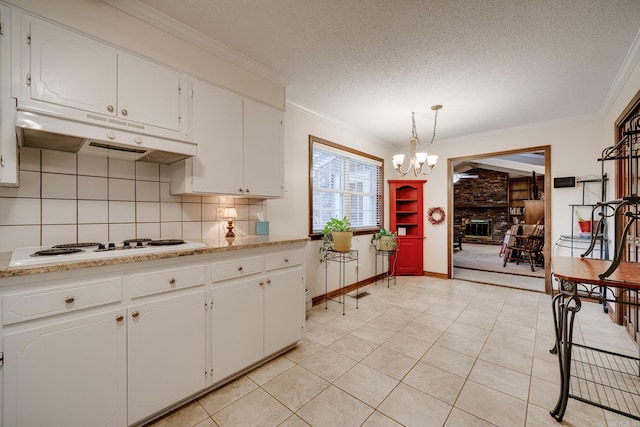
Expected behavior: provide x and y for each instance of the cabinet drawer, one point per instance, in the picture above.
(237, 268)
(29, 305)
(283, 260)
(165, 280)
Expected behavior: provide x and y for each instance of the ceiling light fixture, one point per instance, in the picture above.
(418, 159)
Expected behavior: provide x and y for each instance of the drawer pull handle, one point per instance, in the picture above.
(70, 299)
(172, 281)
(119, 318)
(286, 260)
(135, 314)
(240, 268)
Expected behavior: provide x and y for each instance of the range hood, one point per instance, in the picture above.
(38, 128)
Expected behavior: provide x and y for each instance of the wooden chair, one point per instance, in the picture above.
(526, 247)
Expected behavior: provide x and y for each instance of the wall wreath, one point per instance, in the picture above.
(435, 215)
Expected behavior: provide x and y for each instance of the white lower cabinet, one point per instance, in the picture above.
(283, 310)
(237, 337)
(69, 373)
(166, 352)
(254, 319)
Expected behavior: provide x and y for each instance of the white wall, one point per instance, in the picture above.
(290, 215)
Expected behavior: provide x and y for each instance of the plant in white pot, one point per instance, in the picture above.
(384, 240)
(336, 235)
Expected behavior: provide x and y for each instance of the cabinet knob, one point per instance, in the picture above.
(246, 190)
(268, 281)
(70, 299)
(135, 314)
(286, 260)
(110, 108)
(124, 112)
(261, 283)
(119, 318)
(172, 281)
(240, 189)
(240, 268)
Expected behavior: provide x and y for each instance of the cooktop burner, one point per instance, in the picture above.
(77, 245)
(57, 251)
(143, 240)
(165, 242)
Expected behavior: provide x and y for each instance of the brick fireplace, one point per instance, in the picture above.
(480, 207)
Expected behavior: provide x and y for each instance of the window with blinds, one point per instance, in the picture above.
(344, 182)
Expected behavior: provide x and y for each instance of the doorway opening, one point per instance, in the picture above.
(488, 201)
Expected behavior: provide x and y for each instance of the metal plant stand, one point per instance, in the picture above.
(342, 258)
(388, 254)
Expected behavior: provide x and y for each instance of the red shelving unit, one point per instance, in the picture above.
(406, 212)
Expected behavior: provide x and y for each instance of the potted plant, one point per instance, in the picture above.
(584, 224)
(384, 240)
(336, 235)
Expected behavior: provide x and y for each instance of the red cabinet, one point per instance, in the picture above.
(406, 212)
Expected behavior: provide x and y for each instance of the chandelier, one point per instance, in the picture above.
(418, 159)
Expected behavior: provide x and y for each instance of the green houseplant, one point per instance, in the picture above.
(336, 235)
(384, 240)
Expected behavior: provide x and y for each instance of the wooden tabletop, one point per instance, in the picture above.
(586, 270)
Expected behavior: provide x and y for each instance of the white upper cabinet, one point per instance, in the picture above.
(71, 70)
(240, 146)
(8, 154)
(263, 150)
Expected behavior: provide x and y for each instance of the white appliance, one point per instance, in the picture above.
(42, 255)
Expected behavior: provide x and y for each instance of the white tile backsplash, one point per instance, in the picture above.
(191, 212)
(64, 197)
(97, 233)
(58, 211)
(170, 212)
(30, 159)
(122, 189)
(58, 162)
(14, 236)
(93, 188)
(58, 186)
(93, 166)
(120, 212)
(20, 211)
(147, 171)
(93, 212)
(58, 234)
(147, 191)
(148, 212)
(29, 186)
(122, 169)
(149, 230)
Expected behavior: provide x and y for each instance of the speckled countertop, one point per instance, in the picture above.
(213, 246)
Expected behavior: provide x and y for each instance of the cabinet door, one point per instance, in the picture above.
(71, 373)
(263, 150)
(72, 70)
(8, 152)
(283, 310)
(217, 129)
(237, 327)
(166, 352)
(148, 92)
(409, 256)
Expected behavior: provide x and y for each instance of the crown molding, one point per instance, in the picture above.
(630, 62)
(178, 29)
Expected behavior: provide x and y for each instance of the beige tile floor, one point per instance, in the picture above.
(426, 352)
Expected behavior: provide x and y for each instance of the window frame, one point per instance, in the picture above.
(346, 153)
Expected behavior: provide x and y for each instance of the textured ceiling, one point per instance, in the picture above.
(494, 64)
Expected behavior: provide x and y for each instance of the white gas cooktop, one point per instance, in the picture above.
(41, 255)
